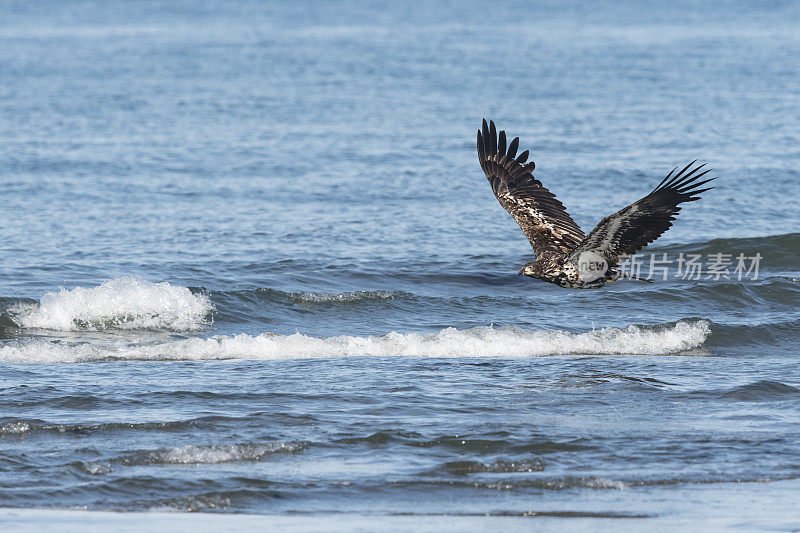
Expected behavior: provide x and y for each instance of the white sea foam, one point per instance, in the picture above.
(223, 453)
(354, 296)
(507, 342)
(14, 428)
(124, 303)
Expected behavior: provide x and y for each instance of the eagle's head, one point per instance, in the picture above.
(533, 269)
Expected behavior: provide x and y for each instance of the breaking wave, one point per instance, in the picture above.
(209, 454)
(323, 297)
(506, 342)
(193, 455)
(500, 466)
(124, 303)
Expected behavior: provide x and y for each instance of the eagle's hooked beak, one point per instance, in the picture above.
(520, 271)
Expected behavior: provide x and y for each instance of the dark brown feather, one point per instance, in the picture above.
(543, 219)
(637, 225)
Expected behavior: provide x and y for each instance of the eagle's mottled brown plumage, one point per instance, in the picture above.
(543, 219)
(632, 228)
(556, 239)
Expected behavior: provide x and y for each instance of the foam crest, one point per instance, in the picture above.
(123, 303)
(210, 454)
(506, 342)
(500, 466)
(14, 428)
(349, 297)
(354, 296)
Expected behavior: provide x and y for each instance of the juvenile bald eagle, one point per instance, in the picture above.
(564, 255)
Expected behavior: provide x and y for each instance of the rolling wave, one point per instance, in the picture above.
(499, 466)
(769, 333)
(208, 454)
(322, 297)
(767, 291)
(124, 303)
(506, 342)
(132, 304)
(758, 391)
(777, 251)
(193, 455)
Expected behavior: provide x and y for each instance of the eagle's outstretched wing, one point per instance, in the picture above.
(644, 221)
(543, 219)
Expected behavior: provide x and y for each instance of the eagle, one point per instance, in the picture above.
(564, 255)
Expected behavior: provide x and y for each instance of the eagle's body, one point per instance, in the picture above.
(560, 270)
(565, 256)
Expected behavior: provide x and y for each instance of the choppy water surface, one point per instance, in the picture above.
(250, 264)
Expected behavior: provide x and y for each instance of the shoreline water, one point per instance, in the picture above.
(761, 506)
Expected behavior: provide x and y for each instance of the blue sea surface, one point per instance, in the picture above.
(250, 265)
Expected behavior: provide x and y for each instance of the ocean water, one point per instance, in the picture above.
(250, 266)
